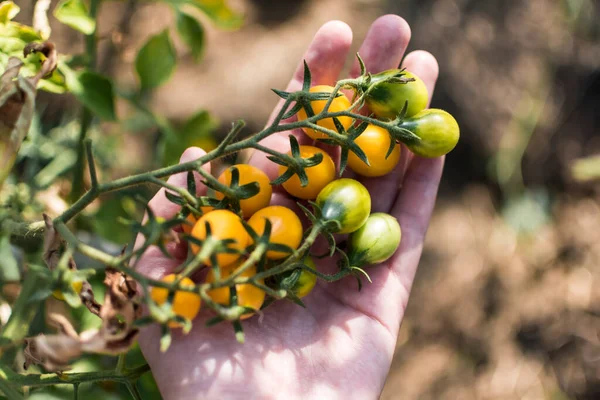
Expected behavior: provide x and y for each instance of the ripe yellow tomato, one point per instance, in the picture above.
(224, 224)
(248, 295)
(286, 228)
(374, 142)
(192, 219)
(318, 176)
(340, 103)
(249, 174)
(77, 286)
(185, 304)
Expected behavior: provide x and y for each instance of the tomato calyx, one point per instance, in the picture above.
(210, 247)
(303, 97)
(262, 243)
(296, 165)
(233, 193)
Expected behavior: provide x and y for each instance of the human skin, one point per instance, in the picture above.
(341, 345)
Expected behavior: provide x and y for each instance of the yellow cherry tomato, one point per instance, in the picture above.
(224, 224)
(185, 304)
(318, 176)
(249, 174)
(286, 228)
(340, 103)
(374, 142)
(248, 295)
(77, 286)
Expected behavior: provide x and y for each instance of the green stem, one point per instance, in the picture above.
(28, 235)
(8, 391)
(91, 50)
(120, 368)
(133, 390)
(76, 378)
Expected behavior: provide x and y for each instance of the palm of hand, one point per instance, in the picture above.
(341, 345)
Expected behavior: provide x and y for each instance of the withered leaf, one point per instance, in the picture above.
(53, 247)
(116, 335)
(17, 101)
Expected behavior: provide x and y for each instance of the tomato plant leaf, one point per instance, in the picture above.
(74, 13)
(8, 10)
(156, 61)
(93, 90)
(197, 131)
(10, 269)
(192, 33)
(219, 12)
(306, 81)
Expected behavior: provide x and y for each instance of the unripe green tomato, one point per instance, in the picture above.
(386, 99)
(438, 130)
(346, 201)
(377, 240)
(307, 280)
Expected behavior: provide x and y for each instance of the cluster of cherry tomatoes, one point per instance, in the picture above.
(343, 203)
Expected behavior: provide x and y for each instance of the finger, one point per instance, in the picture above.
(325, 57)
(425, 66)
(413, 210)
(159, 204)
(384, 44)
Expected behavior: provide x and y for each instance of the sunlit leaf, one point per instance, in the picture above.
(8, 10)
(219, 12)
(74, 13)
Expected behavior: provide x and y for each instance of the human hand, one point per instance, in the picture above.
(341, 345)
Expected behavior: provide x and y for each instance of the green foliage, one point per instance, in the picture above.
(9, 270)
(8, 10)
(216, 10)
(156, 61)
(95, 91)
(197, 131)
(192, 33)
(74, 13)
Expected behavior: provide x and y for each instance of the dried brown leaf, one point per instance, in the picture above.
(17, 103)
(120, 308)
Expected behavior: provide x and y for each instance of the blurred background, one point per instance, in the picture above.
(506, 303)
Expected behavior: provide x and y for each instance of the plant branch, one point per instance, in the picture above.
(77, 378)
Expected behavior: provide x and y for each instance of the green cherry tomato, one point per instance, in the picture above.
(346, 201)
(377, 240)
(386, 99)
(438, 130)
(307, 280)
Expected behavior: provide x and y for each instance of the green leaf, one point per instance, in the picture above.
(74, 13)
(97, 94)
(197, 131)
(156, 61)
(95, 91)
(192, 33)
(8, 10)
(9, 270)
(218, 11)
